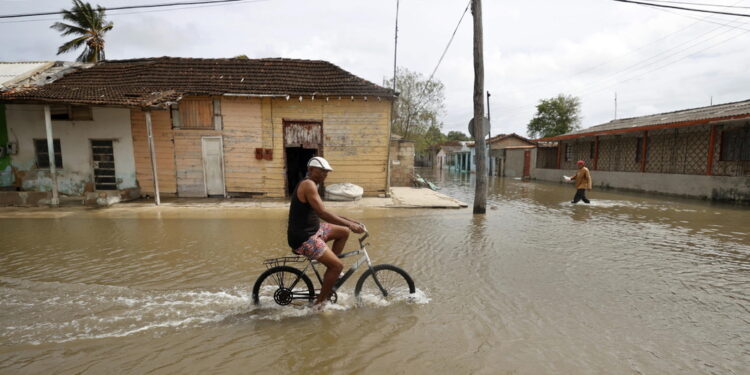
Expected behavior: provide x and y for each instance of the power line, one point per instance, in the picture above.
(683, 8)
(449, 41)
(125, 7)
(209, 5)
(699, 4)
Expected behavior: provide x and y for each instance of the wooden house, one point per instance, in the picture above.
(206, 127)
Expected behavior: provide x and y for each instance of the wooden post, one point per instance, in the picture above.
(152, 151)
(559, 154)
(480, 194)
(51, 153)
(644, 149)
(596, 152)
(711, 147)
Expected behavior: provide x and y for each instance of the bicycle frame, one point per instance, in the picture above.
(364, 259)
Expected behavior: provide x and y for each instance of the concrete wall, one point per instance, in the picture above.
(402, 163)
(722, 188)
(26, 123)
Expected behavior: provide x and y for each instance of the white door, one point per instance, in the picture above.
(213, 165)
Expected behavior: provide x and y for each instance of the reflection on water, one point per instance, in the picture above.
(632, 283)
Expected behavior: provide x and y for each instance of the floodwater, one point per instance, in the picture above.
(630, 284)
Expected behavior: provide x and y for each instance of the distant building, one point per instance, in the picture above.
(701, 152)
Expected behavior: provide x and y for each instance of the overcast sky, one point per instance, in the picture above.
(654, 60)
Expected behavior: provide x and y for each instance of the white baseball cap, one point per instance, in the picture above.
(319, 162)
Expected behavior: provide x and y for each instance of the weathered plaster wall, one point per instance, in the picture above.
(402, 163)
(6, 172)
(26, 123)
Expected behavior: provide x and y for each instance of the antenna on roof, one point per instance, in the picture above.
(615, 105)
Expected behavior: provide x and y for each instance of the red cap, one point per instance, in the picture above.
(580, 162)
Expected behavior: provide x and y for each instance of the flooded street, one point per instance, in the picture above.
(631, 284)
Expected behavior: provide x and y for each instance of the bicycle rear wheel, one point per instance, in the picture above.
(283, 285)
(387, 281)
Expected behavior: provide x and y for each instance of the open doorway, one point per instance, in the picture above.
(296, 165)
(303, 139)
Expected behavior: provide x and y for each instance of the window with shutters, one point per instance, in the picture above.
(64, 112)
(195, 113)
(42, 154)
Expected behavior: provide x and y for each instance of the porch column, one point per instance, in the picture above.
(559, 153)
(596, 152)
(711, 146)
(644, 147)
(152, 151)
(51, 155)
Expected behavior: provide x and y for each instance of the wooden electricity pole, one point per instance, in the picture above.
(480, 194)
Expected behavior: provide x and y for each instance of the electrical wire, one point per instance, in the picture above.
(125, 7)
(698, 4)
(117, 13)
(683, 8)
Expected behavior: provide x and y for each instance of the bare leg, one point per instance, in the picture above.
(339, 235)
(333, 269)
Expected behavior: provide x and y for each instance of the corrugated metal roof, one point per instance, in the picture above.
(685, 117)
(13, 71)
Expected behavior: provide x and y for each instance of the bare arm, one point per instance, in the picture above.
(310, 193)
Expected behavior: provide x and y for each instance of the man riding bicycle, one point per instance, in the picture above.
(308, 236)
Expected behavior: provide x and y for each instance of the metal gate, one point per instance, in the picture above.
(104, 165)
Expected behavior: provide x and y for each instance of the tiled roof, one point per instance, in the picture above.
(685, 117)
(158, 81)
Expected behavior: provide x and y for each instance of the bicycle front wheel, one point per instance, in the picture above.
(385, 281)
(284, 285)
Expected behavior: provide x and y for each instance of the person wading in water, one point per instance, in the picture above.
(583, 182)
(308, 236)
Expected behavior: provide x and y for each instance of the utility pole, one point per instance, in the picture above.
(480, 193)
(395, 48)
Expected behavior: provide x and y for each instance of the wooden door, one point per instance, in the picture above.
(527, 164)
(213, 166)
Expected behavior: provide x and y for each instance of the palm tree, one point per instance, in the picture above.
(89, 26)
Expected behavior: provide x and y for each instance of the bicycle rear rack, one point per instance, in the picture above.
(283, 261)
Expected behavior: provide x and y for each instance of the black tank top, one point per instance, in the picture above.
(303, 221)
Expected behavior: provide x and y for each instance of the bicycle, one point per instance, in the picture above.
(287, 284)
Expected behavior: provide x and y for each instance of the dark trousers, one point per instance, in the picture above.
(580, 195)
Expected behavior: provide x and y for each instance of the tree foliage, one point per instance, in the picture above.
(419, 106)
(455, 135)
(88, 26)
(555, 116)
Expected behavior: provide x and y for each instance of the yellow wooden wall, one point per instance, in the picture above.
(355, 141)
(165, 160)
(355, 136)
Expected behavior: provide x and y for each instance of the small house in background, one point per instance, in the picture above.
(202, 127)
(503, 158)
(701, 152)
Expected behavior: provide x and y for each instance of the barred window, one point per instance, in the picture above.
(568, 152)
(735, 144)
(42, 154)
